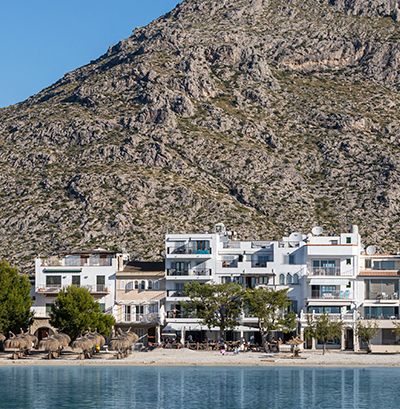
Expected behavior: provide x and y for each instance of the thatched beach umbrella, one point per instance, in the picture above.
(32, 339)
(97, 338)
(133, 338)
(120, 344)
(50, 344)
(17, 342)
(84, 345)
(63, 339)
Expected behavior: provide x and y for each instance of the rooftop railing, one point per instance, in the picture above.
(231, 245)
(76, 262)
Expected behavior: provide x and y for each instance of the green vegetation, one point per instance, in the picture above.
(15, 299)
(75, 311)
(218, 305)
(323, 329)
(268, 307)
(366, 331)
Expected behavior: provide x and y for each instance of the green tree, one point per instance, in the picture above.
(15, 299)
(366, 331)
(323, 329)
(218, 305)
(267, 306)
(75, 311)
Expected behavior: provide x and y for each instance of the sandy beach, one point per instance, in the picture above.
(186, 357)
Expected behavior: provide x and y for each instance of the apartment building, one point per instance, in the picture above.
(139, 299)
(319, 271)
(93, 269)
(378, 285)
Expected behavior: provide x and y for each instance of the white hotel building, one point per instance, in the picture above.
(329, 274)
(95, 270)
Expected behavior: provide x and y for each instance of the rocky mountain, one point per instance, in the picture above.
(268, 115)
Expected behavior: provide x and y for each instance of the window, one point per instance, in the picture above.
(295, 278)
(368, 263)
(156, 285)
(334, 242)
(101, 283)
(76, 281)
(348, 261)
(150, 285)
(324, 310)
(48, 309)
(143, 285)
(53, 281)
(263, 280)
(348, 240)
(129, 286)
(282, 279)
(136, 285)
(289, 279)
(102, 307)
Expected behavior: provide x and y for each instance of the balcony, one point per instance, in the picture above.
(230, 263)
(173, 314)
(195, 272)
(54, 289)
(189, 250)
(150, 318)
(329, 272)
(382, 296)
(333, 295)
(259, 263)
(176, 293)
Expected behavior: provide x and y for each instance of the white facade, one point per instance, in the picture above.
(320, 272)
(94, 270)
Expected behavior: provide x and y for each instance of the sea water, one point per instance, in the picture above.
(57, 387)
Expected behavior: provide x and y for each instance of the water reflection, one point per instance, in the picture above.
(198, 387)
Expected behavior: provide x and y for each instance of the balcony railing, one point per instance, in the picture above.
(382, 296)
(230, 264)
(333, 295)
(176, 293)
(180, 314)
(55, 288)
(149, 318)
(259, 263)
(231, 245)
(188, 250)
(325, 271)
(329, 271)
(193, 272)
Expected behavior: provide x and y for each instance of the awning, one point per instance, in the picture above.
(329, 302)
(201, 327)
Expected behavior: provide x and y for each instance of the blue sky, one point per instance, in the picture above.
(41, 40)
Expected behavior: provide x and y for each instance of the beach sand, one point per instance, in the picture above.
(186, 357)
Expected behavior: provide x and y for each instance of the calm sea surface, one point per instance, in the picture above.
(198, 387)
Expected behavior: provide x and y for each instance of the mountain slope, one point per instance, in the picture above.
(269, 115)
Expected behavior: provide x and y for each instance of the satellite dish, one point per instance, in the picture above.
(295, 239)
(317, 230)
(371, 250)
